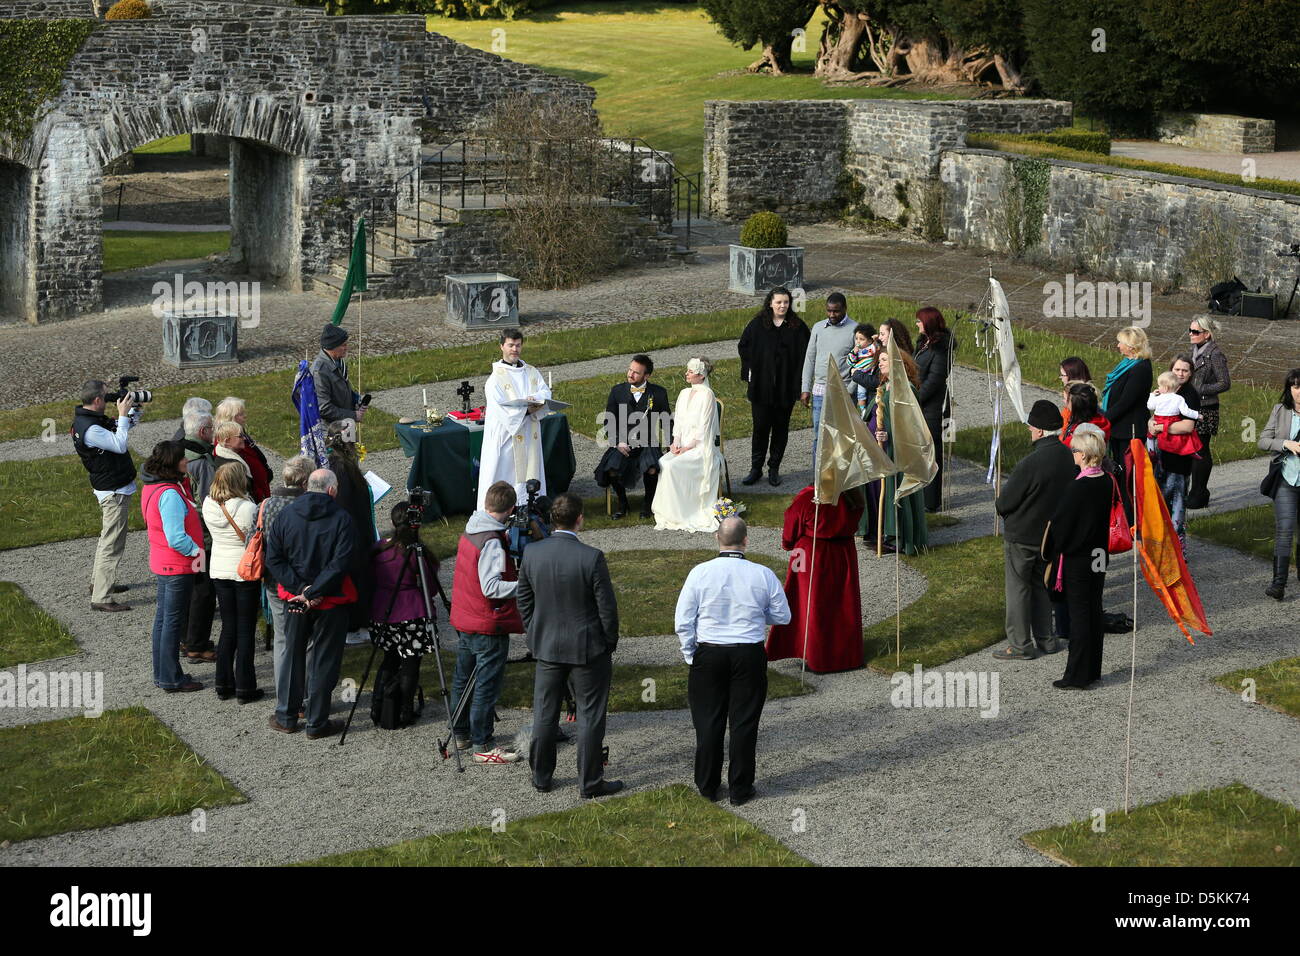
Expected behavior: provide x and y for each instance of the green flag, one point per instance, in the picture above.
(356, 279)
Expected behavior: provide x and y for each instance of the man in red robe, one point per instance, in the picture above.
(833, 619)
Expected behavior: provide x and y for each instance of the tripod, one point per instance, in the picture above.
(1293, 254)
(416, 549)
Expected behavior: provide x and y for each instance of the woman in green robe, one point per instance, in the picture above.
(904, 527)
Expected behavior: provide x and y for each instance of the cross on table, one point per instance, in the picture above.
(465, 391)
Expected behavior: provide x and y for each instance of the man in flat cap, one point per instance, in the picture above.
(334, 396)
(1027, 501)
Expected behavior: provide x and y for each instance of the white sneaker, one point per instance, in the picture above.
(358, 637)
(496, 755)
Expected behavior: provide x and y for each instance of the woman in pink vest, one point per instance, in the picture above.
(175, 541)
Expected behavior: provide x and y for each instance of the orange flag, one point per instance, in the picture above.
(1162, 553)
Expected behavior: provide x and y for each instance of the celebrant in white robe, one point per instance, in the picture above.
(689, 473)
(512, 431)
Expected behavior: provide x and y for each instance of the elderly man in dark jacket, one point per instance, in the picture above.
(329, 371)
(1026, 504)
(307, 551)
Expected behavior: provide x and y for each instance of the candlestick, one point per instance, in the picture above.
(548, 378)
(426, 396)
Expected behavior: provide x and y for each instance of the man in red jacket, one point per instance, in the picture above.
(484, 614)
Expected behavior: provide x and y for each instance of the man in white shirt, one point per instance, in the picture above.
(512, 433)
(723, 614)
(834, 337)
(101, 445)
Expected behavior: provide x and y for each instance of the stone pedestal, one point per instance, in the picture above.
(482, 300)
(198, 339)
(757, 271)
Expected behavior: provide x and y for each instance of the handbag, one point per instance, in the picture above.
(1268, 487)
(252, 563)
(1121, 535)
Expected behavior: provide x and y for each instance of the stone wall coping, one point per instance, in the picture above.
(1134, 174)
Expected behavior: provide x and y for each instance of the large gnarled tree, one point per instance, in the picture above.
(770, 24)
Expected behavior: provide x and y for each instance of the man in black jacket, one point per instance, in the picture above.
(1026, 503)
(567, 602)
(307, 551)
(637, 413)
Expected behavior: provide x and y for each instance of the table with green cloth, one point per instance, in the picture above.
(445, 461)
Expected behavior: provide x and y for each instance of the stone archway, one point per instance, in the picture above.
(17, 219)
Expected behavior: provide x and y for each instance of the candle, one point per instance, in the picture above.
(548, 378)
(426, 397)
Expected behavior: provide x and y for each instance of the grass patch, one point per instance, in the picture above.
(627, 692)
(50, 499)
(646, 585)
(29, 633)
(1005, 144)
(965, 615)
(693, 63)
(1277, 684)
(1230, 826)
(128, 249)
(672, 826)
(1246, 529)
(168, 144)
(81, 773)
(972, 444)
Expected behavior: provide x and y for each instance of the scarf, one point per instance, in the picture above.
(1112, 377)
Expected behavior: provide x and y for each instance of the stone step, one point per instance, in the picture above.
(330, 285)
(383, 268)
(407, 242)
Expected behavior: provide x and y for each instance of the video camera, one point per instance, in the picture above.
(415, 508)
(138, 396)
(530, 521)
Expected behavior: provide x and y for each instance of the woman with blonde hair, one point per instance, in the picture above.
(904, 527)
(689, 473)
(230, 515)
(1124, 396)
(232, 409)
(1210, 378)
(1076, 555)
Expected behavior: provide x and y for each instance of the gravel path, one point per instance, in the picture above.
(875, 784)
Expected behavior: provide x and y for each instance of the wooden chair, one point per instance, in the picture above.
(722, 448)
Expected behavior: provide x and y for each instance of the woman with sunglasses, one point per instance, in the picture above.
(1210, 379)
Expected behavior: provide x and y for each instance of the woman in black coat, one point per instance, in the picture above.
(1077, 557)
(1124, 397)
(771, 364)
(1210, 378)
(354, 498)
(934, 354)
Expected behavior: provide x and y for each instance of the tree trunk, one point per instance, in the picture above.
(932, 61)
(1012, 78)
(775, 58)
(835, 61)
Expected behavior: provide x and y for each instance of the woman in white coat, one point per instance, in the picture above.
(689, 473)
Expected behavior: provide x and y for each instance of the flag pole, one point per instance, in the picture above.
(898, 587)
(807, 613)
(1132, 671)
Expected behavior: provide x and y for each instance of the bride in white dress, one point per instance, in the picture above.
(689, 473)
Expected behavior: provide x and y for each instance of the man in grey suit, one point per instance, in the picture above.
(567, 602)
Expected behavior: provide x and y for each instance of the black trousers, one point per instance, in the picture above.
(1083, 593)
(771, 433)
(934, 490)
(203, 608)
(590, 683)
(727, 686)
(1198, 487)
(240, 603)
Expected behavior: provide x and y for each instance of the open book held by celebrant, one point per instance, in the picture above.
(551, 404)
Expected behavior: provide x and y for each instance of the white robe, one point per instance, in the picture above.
(688, 483)
(512, 437)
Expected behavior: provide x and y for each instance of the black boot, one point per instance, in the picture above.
(621, 492)
(774, 473)
(1198, 486)
(755, 473)
(651, 483)
(1277, 590)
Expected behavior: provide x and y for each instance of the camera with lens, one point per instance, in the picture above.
(138, 396)
(415, 503)
(530, 521)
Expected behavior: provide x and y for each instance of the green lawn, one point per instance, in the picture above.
(629, 690)
(126, 249)
(49, 499)
(1277, 684)
(1246, 529)
(1230, 826)
(80, 773)
(673, 826)
(653, 67)
(646, 585)
(29, 633)
(168, 144)
(960, 613)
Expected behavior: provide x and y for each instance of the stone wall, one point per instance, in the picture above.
(1217, 132)
(17, 188)
(1123, 223)
(161, 9)
(813, 159)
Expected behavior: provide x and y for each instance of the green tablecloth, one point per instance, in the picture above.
(444, 462)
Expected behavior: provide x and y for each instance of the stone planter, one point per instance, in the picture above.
(757, 271)
(197, 339)
(482, 300)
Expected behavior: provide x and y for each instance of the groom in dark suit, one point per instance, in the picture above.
(567, 603)
(636, 415)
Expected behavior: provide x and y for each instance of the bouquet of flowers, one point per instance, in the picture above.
(725, 508)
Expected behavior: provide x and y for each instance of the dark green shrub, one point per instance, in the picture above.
(763, 230)
(1080, 139)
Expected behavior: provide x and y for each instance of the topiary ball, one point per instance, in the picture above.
(763, 230)
(128, 10)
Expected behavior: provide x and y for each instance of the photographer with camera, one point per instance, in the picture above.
(484, 614)
(101, 445)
